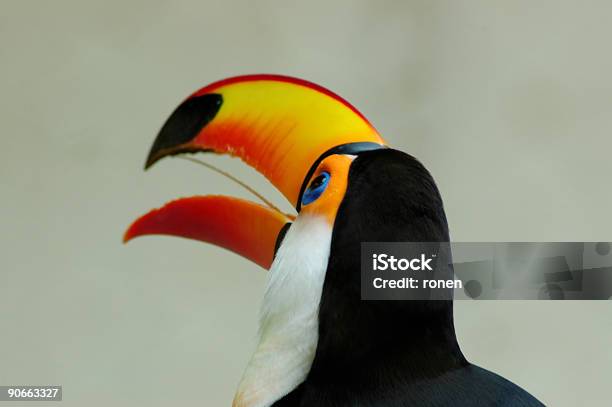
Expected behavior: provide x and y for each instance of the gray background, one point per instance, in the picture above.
(507, 103)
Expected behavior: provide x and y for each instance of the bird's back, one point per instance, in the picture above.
(469, 386)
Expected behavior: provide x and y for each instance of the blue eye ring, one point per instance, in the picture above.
(316, 188)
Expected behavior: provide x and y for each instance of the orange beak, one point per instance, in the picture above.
(282, 127)
(246, 228)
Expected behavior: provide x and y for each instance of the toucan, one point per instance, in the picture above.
(319, 343)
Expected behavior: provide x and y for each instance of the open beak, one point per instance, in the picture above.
(281, 126)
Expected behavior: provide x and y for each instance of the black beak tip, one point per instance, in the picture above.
(183, 126)
(151, 159)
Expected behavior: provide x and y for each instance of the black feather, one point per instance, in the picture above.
(391, 353)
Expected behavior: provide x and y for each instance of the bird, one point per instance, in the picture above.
(319, 342)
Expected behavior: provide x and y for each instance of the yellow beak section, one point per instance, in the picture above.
(278, 125)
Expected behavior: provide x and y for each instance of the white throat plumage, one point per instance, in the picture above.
(289, 323)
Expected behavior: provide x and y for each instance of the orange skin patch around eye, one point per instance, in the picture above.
(328, 203)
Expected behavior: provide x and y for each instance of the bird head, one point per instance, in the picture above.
(347, 186)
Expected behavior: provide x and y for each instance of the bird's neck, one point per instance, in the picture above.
(390, 342)
(288, 331)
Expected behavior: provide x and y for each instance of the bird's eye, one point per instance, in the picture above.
(316, 188)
